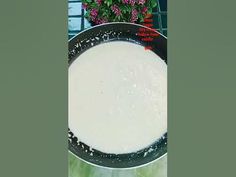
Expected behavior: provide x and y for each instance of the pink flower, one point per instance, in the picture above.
(125, 1)
(100, 21)
(99, 2)
(84, 6)
(141, 2)
(94, 12)
(134, 15)
(144, 10)
(116, 10)
(132, 2)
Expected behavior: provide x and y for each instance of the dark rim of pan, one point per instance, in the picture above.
(108, 32)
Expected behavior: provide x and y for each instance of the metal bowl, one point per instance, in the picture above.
(117, 32)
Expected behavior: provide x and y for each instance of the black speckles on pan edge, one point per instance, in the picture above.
(106, 33)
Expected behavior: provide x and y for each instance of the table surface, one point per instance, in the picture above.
(77, 22)
(78, 168)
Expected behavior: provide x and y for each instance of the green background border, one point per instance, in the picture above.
(33, 75)
(202, 85)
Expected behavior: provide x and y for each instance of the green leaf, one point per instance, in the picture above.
(123, 9)
(128, 8)
(141, 20)
(149, 11)
(108, 2)
(87, 14)
(153, 3)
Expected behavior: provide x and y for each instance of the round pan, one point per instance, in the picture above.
(117, 32)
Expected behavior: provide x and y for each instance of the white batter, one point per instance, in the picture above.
(118, 97)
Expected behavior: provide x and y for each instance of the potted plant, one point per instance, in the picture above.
(102, 11)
